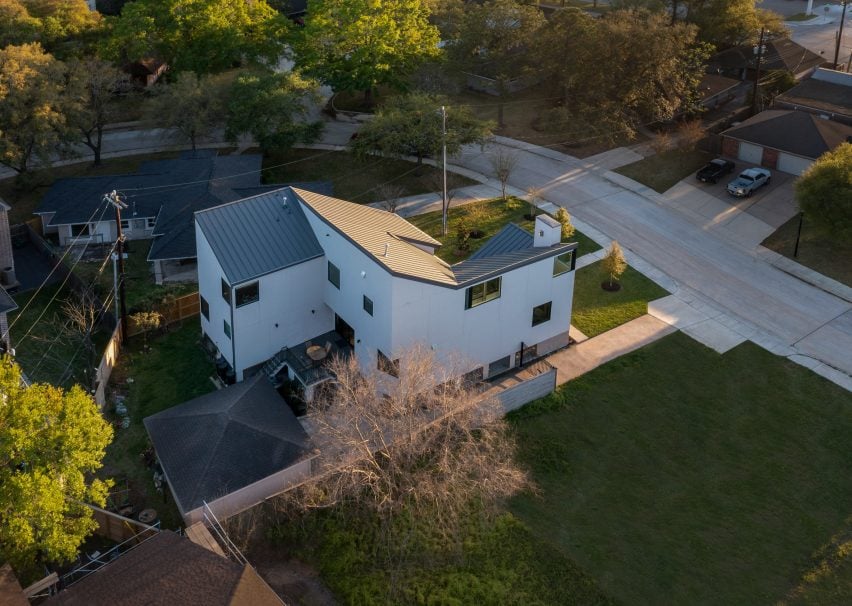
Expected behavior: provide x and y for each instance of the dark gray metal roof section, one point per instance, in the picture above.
(470, 271)
(7, 303)
(255, 236)
(509, 239)
(223, 441)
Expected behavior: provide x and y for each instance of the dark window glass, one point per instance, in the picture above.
(387, 365)
(482, 293)
(368, 305)
(227, 329)
(334, 274)
(563, 263)
(205, 307)
(226, 291)
(81, 229)
(498, 366)
(541, 313)
(247, 294)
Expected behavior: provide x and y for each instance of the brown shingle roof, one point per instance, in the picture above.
(796, 132)
(169, 570)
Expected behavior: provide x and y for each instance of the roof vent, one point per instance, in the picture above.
(387, 249)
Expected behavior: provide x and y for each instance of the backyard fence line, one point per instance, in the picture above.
(181, 308)
(108, 361)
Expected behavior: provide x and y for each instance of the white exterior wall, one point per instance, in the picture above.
(437, 316)
(283, 316)
(106, 229)
(209, 286)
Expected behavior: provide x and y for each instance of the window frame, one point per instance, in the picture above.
(81, 229)
(470, 302)
(546, 306)
(336, 272)
(150, 222)
(367, 302)
(226, 291)
(227, 329)
(386, 365)
(205, 307)
(244, 287)
(559, 264)
(125, 225)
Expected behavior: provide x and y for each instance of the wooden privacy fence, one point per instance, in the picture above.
(179, 309)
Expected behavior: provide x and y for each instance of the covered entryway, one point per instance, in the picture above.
(795, 165)
(751, 153)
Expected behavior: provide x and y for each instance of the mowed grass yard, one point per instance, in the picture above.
(676, 475)
(661, 171)
(828, 254)
(596, 310)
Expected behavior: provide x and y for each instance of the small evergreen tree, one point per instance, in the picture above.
(564, 219)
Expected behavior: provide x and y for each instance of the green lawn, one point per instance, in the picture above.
(597, 310)
(175, 370)
(45, 348)
(676, 475)
(827, 254)
(662, 171)
(800, 17)
(141, 291)
(25, 200)
(355, 180)
(496, 214)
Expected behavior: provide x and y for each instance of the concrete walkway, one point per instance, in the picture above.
(579, 359)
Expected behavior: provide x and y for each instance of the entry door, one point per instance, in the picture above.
(344, 330)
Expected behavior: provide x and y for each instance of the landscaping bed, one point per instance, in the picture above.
(661, 171)
(828, 254)
(491, 217)
(596, 310)
(354, 179)
(174, 370)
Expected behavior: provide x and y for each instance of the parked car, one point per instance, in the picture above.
(748, 181)
(714, 169)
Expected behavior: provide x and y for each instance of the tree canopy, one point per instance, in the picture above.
(32, 118)
(824, 191)
(411, 125)
(274, 109)
(203, 36)
(51, 442)
(357, 45)
(53, 23)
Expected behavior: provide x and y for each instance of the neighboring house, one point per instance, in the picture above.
(145, 72)
(828, 93)
(8, 280)
(779, 54)
(231, 448)
(165, 570)
(161, 198)
(716, 90)
(784, 140)
(291, 276)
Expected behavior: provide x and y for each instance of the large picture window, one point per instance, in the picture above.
(563, 263)
(541, 313)
(247, 294)
(334, 274)
(482, 293)
(80, 229)
(226, 291)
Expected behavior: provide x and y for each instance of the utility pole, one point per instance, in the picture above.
(840, 35)
(759, 52)
(114, 199)
(444, 202)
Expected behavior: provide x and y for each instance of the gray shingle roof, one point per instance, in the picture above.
(258, 235)
(821, 95)
(7, 303)
(225, 440)
(796, 132)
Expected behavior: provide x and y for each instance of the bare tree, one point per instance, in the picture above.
(503, 162)
(415, 438)
(82, 316)
(147, 321)
(689, 134)
(390, 194)
(534, 196)
(454, 183)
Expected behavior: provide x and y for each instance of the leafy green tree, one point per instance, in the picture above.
(824, 191)
(89, 99)
(357, 45)
(274, 109)
(493, 40)
(63, 19)
(726, 23)
(411, 125)
(193, 105)
(32, 119)
(51, 442)
(203, 36)
(17, 26)
(613, 263)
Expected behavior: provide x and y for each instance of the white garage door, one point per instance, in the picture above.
(751, 153)
(795, 165)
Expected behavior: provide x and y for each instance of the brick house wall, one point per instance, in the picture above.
(730, 147)
(770, 158)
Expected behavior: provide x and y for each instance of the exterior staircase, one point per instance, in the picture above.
(274, 364)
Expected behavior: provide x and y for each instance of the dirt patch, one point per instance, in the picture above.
(296, 583)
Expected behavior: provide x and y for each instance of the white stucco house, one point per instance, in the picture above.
(289, 277)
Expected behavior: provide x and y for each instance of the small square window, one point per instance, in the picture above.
(226, 291)
(563, 263)
(151, 222)
(227, 329)
(368, 305)
(541, 313)
(205, 307)
(334, 274)
(125, 224)
(247, 294)
(385, 364)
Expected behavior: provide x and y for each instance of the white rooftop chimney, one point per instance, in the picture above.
(548, 231)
